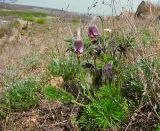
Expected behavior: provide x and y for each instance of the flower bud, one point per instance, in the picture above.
(108, 70)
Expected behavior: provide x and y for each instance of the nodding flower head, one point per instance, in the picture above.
(108, 71)
(78, 46)
(93, 32)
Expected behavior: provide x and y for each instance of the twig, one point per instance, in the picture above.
(60, 123)
(130, 123)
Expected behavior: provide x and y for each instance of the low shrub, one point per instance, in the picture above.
(63, 67)
(31, 61)
(20, 95)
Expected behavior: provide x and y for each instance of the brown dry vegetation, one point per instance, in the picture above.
(39, 39)
(19, 49)
(40, 42)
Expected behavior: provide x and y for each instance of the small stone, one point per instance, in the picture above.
(56, 82)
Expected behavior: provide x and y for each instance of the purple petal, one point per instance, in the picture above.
(93, 31)
(78, 46)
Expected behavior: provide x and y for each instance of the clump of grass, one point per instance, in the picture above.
(21, 95)
(132, 86)
(147, 38)
(63, 67)
(10, 73)
(55, 94)
(41, 21)
(30, 61)
(28, 18)
(108, 110)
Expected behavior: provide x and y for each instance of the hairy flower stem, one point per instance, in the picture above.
(77, 103)
(102, 28)
(83, 79)
(95, 63)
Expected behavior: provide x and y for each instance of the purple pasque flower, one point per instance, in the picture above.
(107, 73)
(93, 32)
(78, 46)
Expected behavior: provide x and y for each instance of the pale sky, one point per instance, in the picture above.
(82, 5)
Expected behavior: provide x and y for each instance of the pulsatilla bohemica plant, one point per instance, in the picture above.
(78, 47)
